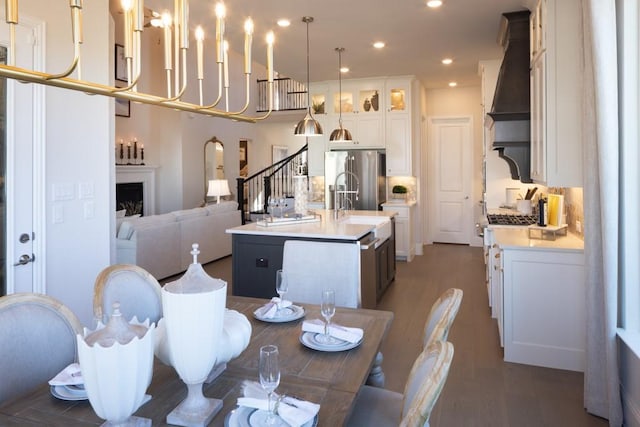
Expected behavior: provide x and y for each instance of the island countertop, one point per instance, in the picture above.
(327, 228)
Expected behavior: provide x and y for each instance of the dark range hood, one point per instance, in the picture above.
(510, 114)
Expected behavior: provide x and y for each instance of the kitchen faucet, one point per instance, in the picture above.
(337, 206)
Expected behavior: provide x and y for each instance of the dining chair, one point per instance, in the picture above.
(312, 266)
(37, 341)
(380, 407)
(138, 293)
(443, 312)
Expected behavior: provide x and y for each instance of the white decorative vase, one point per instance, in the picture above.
(300, 193)
(117, 366)
(194, 309)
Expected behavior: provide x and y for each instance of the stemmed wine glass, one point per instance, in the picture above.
(282, 286)
(328, 309)
(269, 376)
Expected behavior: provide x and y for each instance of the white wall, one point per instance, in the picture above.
(78, 135)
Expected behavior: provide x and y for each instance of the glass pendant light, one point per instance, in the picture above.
(340, 134)
(308, 126)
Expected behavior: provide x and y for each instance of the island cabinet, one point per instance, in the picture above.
(386, 263)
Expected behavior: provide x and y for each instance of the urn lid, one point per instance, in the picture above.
(116, 330)
(195, 279)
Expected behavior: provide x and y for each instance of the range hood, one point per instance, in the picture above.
(510, 115)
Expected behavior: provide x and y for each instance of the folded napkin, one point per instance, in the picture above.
(353, 335)
(270, 309)
(71, 375)
(293, 411)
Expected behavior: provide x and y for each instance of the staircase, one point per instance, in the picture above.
(273, 183)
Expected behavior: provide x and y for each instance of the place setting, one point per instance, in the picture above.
(279, 310)
(260, 406)
(68, 384)
(327, 336)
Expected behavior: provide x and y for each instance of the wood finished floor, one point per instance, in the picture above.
(482, 389)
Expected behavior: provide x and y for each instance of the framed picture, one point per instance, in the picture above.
(123, 107)
(279, 152)
(121, 64)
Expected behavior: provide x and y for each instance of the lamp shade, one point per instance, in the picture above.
(308, 127)
(218, 187)
(340, 134)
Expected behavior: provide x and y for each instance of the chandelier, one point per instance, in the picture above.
(176, 45)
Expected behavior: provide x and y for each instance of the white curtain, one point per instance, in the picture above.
(601, 195)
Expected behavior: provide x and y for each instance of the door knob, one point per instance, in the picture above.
(25, 259)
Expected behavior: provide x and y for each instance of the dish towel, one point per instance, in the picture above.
(294, 412)
(71, 375)
(352, 335)
(270, 309)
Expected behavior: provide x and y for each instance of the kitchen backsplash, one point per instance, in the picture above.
(574, 208)
(408, 181)
(316, 189)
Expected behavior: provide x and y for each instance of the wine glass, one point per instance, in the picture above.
(282, 286)
(328, 309)
(269, 376)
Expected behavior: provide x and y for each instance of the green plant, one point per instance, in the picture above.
(318, 107)
(399, 189)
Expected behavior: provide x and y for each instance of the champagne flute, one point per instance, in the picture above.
(328, 309)
(282, 286)
(269, 376)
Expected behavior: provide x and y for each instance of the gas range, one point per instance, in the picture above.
(511, 219)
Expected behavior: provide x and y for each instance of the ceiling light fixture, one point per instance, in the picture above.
(378, 45)
(434, 3)
(447, 61)
(340, 134)
(344, 69)
(453, 84)
(283, 22)
(308, 126)
(129, 68)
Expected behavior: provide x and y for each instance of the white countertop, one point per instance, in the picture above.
(518, 238)
(326, 228)
(391, 203)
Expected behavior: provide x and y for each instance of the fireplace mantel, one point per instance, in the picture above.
(145, 174)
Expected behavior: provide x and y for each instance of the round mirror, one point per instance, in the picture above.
(213, 162)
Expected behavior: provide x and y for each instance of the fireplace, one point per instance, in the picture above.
(142, 176)
(130, 196)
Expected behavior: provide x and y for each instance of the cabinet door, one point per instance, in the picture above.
(538, 120)
(398, 145)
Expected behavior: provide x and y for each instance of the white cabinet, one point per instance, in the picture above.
(405, 245)
(556, 95)
(399, 131)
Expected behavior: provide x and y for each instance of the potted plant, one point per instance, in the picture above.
(399, 192)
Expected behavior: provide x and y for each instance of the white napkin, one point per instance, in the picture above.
(353, 335)
(71, 375)
(270, 309)
(293, 411)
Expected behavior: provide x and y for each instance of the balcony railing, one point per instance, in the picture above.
(288, 95)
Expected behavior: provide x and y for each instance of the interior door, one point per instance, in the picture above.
(452, 151)
(19, 184)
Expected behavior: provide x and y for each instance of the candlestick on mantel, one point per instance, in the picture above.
(129, 153)
(121, 152)
(135, 151)
(142, 154)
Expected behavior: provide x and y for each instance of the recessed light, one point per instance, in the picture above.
(447, 61)
(378, 45)
(434, 3)
(344, 69)
(284, 22)
(453, 84)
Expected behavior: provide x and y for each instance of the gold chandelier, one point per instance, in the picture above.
(133, 27)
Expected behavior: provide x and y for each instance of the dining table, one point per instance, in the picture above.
(331, 379)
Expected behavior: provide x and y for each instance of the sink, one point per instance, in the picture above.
(383, 224)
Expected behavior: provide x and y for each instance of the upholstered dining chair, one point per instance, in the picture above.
(138, 293)
(37, 340)
(443, 312)
(380, 407)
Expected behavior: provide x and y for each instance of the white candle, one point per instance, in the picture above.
(220, 14)
(166, 22)
(248, 38)
(226, 64)
(200, 51)
(184, 24)
(127, 7)
(270, 40)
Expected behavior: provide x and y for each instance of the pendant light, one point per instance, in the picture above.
(308, 126)
(340, 134)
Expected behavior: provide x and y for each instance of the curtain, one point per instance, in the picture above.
(601, 195)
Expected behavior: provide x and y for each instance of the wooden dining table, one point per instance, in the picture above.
(331, 379)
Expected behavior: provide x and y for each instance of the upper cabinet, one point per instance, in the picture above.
(556, 96)
(399, 131)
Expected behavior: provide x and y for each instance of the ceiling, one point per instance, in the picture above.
(416, 37)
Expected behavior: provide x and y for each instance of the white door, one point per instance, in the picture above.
(22, 266)
(450, 177)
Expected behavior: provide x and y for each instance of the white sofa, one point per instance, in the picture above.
(161, 244)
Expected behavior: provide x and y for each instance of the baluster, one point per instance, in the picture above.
(240, 197)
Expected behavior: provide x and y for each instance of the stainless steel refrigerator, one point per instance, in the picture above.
(361, 178)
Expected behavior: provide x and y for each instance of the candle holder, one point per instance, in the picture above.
(142, 156)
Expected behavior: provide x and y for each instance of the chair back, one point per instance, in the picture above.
(37, 340)
(311, 267)
(138, 293)
(443, 313)
(426, 381)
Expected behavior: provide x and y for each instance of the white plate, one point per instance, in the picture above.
(243, 416)
(289, 314)
(64, 392)
(309, 339)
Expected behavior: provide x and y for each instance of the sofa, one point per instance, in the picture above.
(161, 244)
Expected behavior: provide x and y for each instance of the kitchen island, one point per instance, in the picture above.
(258, 250)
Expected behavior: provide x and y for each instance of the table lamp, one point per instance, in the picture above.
(218, 187)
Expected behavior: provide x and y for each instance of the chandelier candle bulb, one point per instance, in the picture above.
(270, 41)
(248, 39)
(138, 17)
(184, 24)
(225, 59)
(220, 14)
(128, 28)
(200, 51)
(166, 23)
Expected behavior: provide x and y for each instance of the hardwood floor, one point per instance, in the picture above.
(482, 389)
